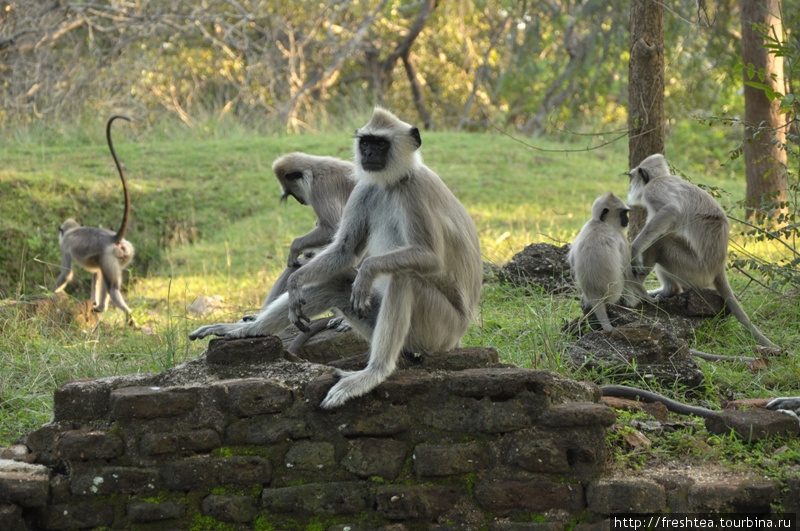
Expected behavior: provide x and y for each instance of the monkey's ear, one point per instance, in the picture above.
(415, 135)
(645, 175)
(603, 214)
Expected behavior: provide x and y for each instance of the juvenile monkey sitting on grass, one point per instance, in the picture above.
(600, 260)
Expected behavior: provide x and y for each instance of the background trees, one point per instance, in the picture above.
(765, 122)
(538, 67)
(554, 67)
(645, 91)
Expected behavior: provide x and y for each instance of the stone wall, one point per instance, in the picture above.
(235, 440)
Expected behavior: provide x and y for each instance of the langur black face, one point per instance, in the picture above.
(623, 215)
(375, 152)
(292, 187)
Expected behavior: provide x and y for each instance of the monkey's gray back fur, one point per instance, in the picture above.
(88, 245)
(700, 222)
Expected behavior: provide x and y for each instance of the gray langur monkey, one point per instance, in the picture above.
(685, 237)
(600, 260)
(404, 268)
(324, 184)
(102, 252)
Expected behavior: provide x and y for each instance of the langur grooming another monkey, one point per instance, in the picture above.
(102, 252)
(323, 183)
(404, 267)
(600, 260)
(685, 238)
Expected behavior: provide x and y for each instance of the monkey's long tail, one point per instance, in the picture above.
(623, 391)
(724, 289)
(126, 213)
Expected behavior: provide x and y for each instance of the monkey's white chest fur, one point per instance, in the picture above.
(387, 225)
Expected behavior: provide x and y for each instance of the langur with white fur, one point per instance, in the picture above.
(685, 238)
(600, 260)
(404, 268)
(324, 184)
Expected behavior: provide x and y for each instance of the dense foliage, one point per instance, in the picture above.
(553, 66)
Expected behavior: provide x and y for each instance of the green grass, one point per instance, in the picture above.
(206, 221)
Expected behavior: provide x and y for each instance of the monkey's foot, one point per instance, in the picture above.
(662, 293)
(213, 330)
(351, 385)
(338, 324)
(785, 404)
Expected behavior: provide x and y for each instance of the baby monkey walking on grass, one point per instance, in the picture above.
(102, 252)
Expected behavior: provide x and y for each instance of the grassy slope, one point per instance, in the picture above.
(207, 221)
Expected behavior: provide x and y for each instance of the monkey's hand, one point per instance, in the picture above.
(296, 301)
(296, 315)
(299, 257)
(294, 259)
(338, 324)
(361, 296)
(638, 268)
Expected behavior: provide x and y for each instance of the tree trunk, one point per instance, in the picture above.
(764, 158)
(645, 91)
(403, 48)
(418, 94)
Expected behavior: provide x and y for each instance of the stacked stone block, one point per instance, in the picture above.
(493, 447)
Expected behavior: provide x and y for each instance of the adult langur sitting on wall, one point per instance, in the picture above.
(404, 268)
(102, 252)
(324, 184)
(685, 237)
(600, 260)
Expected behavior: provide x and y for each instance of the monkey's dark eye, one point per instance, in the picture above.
(293, 176)
(374, 142)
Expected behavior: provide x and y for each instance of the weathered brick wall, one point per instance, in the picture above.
(438, 446)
